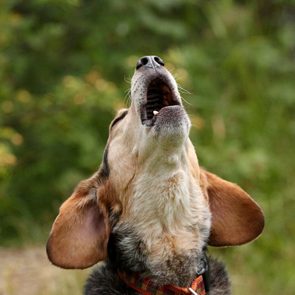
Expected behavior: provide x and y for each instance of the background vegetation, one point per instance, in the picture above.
(65, 67)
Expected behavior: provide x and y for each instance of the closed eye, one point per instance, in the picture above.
(116, 120)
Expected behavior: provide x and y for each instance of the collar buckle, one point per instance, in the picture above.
(192, 291)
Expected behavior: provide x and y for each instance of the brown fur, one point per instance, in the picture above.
(236, 218)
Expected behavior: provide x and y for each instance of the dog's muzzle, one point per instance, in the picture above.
(156, 95)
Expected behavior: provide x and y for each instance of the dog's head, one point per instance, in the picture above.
(150, 177)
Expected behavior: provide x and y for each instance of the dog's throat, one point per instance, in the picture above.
(128, 253)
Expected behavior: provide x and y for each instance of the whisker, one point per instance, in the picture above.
(183, 90)
(127, 96)
(127, 80)
(186, 101)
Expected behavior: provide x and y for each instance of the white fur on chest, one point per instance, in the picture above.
(167, 209)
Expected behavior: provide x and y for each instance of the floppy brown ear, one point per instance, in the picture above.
(236, 217)
(79, 235)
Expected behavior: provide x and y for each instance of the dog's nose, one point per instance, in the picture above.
(150, 62)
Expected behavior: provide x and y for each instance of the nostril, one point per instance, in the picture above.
(159, 61)
(142, 62)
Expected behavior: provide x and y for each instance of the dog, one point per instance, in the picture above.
(150, 211)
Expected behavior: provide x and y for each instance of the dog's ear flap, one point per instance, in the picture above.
(80, 233)
(236, 217)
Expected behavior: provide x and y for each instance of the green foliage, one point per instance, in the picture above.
(63, 71)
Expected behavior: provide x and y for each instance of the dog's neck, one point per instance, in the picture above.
(165, 188)
(166, 202)
(167, 217)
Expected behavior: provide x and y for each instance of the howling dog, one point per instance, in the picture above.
(149, 212)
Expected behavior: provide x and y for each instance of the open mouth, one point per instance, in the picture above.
(159, 95)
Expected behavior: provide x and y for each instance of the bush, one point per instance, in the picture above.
(63, 70)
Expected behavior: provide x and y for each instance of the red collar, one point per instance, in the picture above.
(145, 286)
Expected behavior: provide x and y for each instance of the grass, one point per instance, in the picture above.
(27, 271)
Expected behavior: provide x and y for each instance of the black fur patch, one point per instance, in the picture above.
(128, 253)
(104, 281)
(219, 281)
(123, 257)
